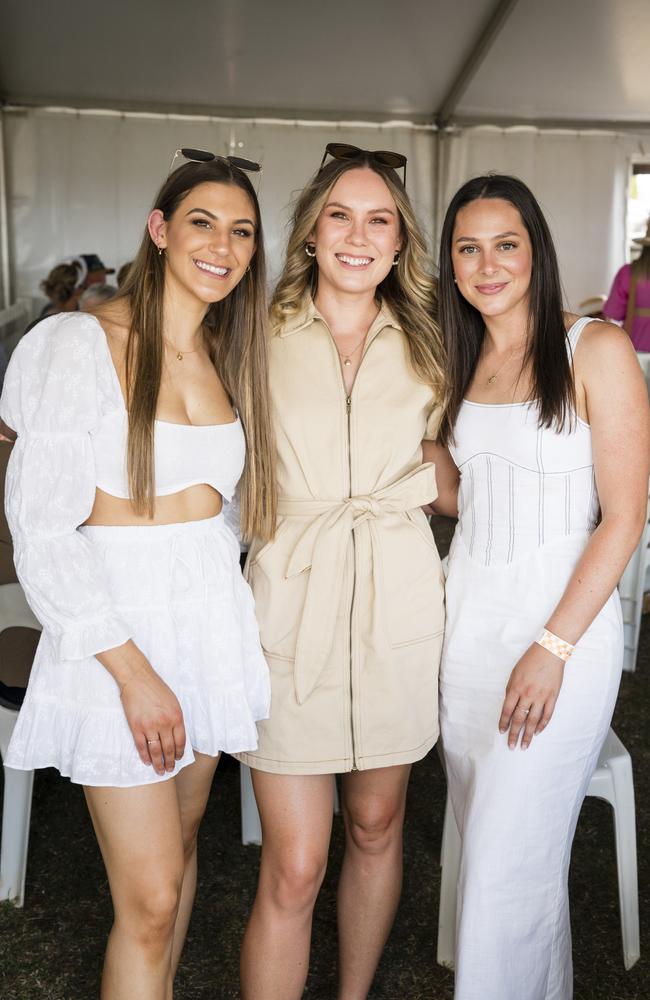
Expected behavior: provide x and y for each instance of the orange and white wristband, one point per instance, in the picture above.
(554, 644)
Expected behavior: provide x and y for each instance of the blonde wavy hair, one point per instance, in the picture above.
(235, 332)
(409, 290)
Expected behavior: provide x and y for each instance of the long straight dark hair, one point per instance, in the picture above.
(236, 336)
(552, 385)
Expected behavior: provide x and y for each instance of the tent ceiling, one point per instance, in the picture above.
(576, 60)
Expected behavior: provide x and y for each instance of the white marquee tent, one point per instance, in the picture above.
(96, 96)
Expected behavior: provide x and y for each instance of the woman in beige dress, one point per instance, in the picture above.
(349, 594)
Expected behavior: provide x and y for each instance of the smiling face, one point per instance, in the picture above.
(357, 233)
(209, 240)
(492, 257)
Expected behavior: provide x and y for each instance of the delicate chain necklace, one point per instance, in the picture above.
(347, 358)
(492, 378)
(179, 354)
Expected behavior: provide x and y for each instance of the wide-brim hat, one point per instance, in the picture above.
(643, 241)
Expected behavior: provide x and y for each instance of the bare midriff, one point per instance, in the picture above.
(193, 504)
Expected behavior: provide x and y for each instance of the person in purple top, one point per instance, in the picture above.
(629, 298)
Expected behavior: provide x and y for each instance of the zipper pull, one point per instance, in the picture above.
(348, 402)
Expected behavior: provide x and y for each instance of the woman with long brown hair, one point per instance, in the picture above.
(344, 593)
(549, 425)
(134, 428)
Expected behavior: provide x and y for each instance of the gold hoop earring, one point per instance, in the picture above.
(310, 249)
(396, 258)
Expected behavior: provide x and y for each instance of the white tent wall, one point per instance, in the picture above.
(83, 183)
(580, 179)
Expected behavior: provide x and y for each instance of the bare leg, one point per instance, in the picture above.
(296, 813)
(371, 877)
(140, 837)
(193, 786)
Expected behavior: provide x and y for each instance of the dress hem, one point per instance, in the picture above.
(340, 765)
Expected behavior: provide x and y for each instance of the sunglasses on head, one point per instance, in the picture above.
(203, 156)
(343, 151)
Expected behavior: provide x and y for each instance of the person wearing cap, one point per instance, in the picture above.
(92, 270)
(629, 298)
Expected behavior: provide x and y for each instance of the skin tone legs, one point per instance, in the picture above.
(147, 836)
(296, 813)
(371, 877)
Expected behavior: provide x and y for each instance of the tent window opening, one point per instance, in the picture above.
(638, 205)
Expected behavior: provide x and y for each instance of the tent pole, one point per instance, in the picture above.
(5, 295)
(489, 33)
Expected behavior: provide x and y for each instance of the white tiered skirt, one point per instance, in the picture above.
(191, 612)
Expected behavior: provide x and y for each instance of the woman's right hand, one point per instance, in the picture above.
(152, 709)
(155, 719)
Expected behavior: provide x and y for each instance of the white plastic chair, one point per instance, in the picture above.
(17, 800)
(612, 781)
(634, 582)
(251, 827)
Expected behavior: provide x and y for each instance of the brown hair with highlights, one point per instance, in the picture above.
(409, 290)
(235, 332)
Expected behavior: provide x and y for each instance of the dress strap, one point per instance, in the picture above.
(573, 333)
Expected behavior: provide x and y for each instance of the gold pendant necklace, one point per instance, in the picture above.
(347, 358)
(179, 354)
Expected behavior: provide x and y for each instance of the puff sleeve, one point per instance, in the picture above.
(51, 398)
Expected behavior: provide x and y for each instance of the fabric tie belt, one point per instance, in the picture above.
(322, 550)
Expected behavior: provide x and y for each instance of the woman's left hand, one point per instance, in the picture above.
(531, 695)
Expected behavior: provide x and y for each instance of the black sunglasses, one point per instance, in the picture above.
(203, 156)
(343, 151)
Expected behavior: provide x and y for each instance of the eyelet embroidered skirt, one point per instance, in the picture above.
(191, 612)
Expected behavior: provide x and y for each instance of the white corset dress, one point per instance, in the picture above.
(527, 506)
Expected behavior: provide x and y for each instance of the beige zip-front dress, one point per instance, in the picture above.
(349, 594)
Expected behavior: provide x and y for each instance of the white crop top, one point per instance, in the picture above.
(184, 455)
(62, 396)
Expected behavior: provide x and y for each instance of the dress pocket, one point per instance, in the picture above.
(279, 600)
(413, 581)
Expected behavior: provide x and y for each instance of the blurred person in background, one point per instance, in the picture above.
(62, 288)
(629, 298)
(94, 296)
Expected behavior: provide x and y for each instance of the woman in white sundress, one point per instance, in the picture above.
(548, 425)
(130, 437)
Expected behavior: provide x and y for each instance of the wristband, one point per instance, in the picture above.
(554, 644)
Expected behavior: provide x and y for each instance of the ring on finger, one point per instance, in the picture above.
(524, 710)
(157, 740)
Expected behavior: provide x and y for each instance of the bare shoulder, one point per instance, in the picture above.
(603, 345)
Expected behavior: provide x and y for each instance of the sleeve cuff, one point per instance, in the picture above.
(90, 639)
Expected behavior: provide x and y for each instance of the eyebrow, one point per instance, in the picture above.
(236, 222)
(475, 239)
(372, 211)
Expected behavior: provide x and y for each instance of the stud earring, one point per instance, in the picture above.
(396, 258)
(310, 249)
